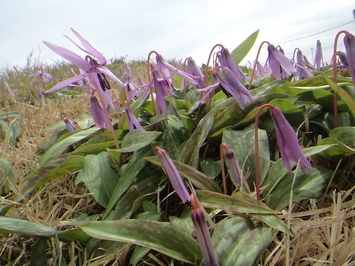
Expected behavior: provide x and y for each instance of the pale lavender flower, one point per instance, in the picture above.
(287, 141)
(93, 65)
(349, 43)
(318, 57)
(302, 71)
(42, 74)
(98, 113)
(226, 60)
(203, 234)
(161, 91)
(133, 122)
(165, 68)
(173, 174)
(280, 65)
(195, 71)
(233, 86)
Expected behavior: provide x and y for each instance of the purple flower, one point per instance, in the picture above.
(133, 122)
(165, 68)
(98, 113)
(280, 65)
(195, 71)
(287, 141)
(68, 124)
(318, 57)
(42, 74)
(173, 174)
(233, 166)
(226, 60)
(203, 234)
(232, 85)
(161, 91)
(301, 68)
(93, 65)
(349, 43)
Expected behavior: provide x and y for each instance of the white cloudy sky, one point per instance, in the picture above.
(174, 28)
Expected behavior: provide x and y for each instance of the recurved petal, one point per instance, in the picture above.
(70, 56)
(67, 82)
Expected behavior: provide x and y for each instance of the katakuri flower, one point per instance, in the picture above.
(287, 141)
(280, 65)
(133, 122)
(233, 86)
(302, 71)
(226, 60)
(203, 234)
(234, 168)
(349, 43)
(173, 174)
(195, 71)
(93, 66)
(98, 113)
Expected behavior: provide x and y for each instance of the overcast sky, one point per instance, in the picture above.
(175, 29)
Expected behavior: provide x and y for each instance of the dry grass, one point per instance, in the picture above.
(324, 228)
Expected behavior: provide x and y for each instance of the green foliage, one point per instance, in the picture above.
(139, 207)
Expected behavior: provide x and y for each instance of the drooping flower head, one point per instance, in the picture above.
(349, 43)
(302, 70)
(173, 174)
(133, 122)
(287, 141)
(233, 86)
(203, 234)
(98, 113)
(234, 168)
(195, 71)
(280, 65)
(226, 60)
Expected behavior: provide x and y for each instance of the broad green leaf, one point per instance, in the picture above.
(239, 202)
(63, 144)
(243, 49)
(76, 234)
(210, 167)
(293, 114)
(309, 185)
(7, 176)
(51, 169)
(162, 237)
(237, 241)
(99, 178)
(342, 93)
(273, 221)
(130, 172)
(189, 151)
(197, 178)
(135, 193)
(137, 139)
(242, 142)
(17, 226)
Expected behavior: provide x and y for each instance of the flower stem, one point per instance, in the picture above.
(256, 60)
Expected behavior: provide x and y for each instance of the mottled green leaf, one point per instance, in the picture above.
(308, 185)
(237, 241)
(137, 139)
(242, 142)
(189, 151)
(51, 169)
(63, 144)
(99, 178)
(239, 202)
(197, 178)
(162, 237)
